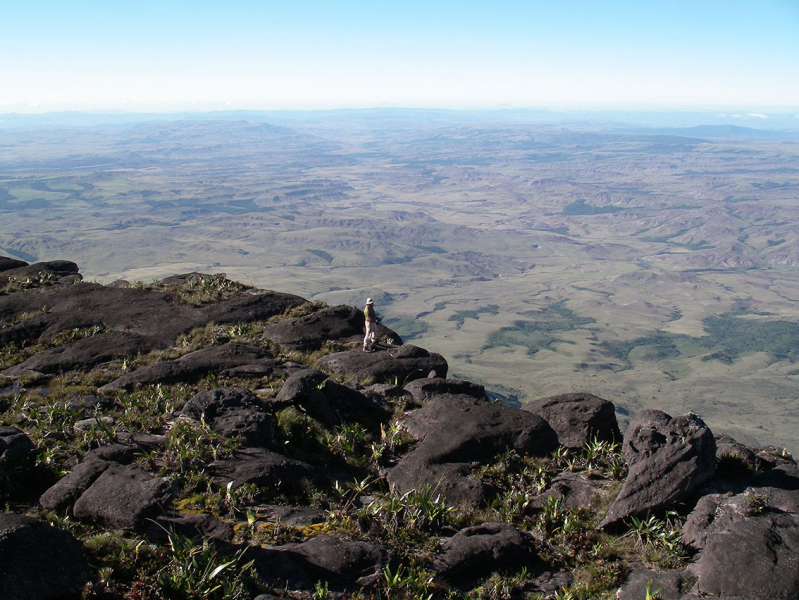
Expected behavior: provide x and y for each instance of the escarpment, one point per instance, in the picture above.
(198, 438)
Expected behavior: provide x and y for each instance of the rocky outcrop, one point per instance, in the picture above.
(124, 497)
(423, 390)
(56, 269)
(341, 563)
(341, 324)
(396, 365)
(7, 263)
(84, 354)
(130, 321)
(463, 429)
(18, 473)
(475, 552)
(232, 412)
(406, 471)
(578, 418)
(217, 360)
(38, 561)
(456, 432)
(261, 467)
(669, 459)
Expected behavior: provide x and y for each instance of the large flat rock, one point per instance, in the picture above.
(395, 365)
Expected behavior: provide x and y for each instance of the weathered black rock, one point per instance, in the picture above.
(302, 389)
(18, 472)
(37, 561)
(425, 389)
(729, 447)
(192, 526)
(7, 263)
(578, 418)
(342, 324)
(232, 412)
(124, 497)
(15, 445)
(340, 562)
(153, 319)
(293, 516)
(450, 481)
(191, 366)
(352, 405)
(669, 459)
(255, 306)
(669, 585)
(456, 431)
(575, 490)
(463, 429)
(89, 404)
(83, 354)
(756, 558)
(475, 552)
(748, 542)
(55, 268)
(63, 495)
(262, 467)
(401, 364)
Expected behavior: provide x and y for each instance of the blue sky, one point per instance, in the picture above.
(560, 54)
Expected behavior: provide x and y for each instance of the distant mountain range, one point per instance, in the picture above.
(692, 123)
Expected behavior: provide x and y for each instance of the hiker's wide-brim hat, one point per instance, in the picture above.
(369, 301)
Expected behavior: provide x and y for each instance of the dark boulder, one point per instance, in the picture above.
(118, 453)
(396, 365)
(7, 263)
(293, 516)
(124, 497)
(89, 405)
(83, 354)
(298, 385)
(425, 389)
(669, 460)
(773, 491)
(727, 447)
(256, 306)
(575, 490)
(55, 268)
(342, 563)
(458, 432)
(191, 366)
(155, 316)
(15, 446)
(232, 412)
(388, 391)
(261, 467)
(18, 473)
(301, 389)
(463, 429)
(449, 481)
(669, 585)
(38, 561)
(578, 418)
(475, 552)
(342, 324)
(753, 557)
(66, 491)
(352, 405)
(194, 526)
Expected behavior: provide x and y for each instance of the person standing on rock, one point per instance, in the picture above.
(370, 317)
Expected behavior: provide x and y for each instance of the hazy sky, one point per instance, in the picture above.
(199, 54)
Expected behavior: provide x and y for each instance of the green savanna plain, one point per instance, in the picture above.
(656, 270)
